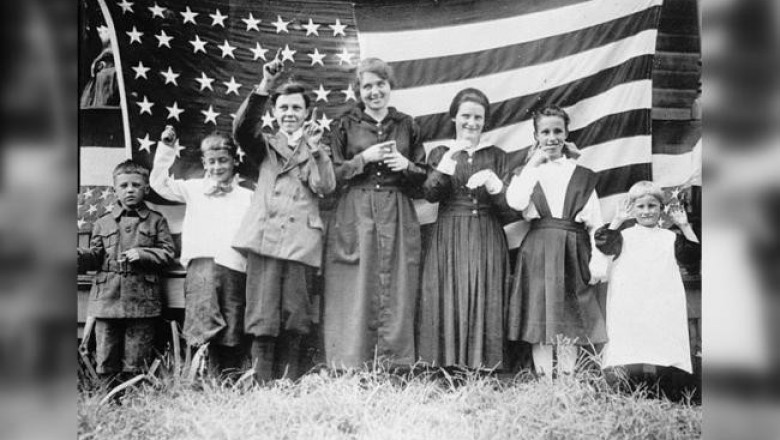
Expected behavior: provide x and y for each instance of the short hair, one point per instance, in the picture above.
(645, 188)
(470, 95)
(291, 88)
(218, 141)
(552, 110)
(130, 167)
(376, 66)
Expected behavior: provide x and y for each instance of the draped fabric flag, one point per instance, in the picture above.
(593, 58)
(191, 64)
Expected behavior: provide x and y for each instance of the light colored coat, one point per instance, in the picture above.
(283, 220)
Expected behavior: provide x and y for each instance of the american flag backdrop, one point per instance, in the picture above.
(190, 64)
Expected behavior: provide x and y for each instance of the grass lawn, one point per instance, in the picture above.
(379, 405)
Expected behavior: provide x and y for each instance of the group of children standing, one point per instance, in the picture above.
(249, 255)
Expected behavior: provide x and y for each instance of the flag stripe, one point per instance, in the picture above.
(434, 42)
(519, 109)
(447, 69)
(432, 99)
(619, 180)
(623, 152)
(404, 16)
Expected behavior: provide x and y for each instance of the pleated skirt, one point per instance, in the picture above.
(465, 283)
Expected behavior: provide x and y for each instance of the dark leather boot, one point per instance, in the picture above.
(263, 358)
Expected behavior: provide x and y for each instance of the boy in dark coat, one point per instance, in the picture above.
(129, 248)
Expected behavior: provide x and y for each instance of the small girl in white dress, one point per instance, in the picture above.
(647, 320)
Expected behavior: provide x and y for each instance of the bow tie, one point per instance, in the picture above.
(214, 188)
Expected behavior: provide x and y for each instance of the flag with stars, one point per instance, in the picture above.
(191, 65)
(93, 202)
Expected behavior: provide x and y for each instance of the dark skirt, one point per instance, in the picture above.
(277, 296)
(214, 298)
(551, 295)
(371, 279)
(464, 292)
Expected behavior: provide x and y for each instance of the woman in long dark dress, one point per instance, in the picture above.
(465, 280)
(372, 260)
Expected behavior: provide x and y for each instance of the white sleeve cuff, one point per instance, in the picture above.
(447, 166)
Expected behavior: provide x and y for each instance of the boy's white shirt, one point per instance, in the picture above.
(554, 177)
(210, 222)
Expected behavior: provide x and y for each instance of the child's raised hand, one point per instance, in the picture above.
(168, 136)
(678, 216)
(312, 132)
(272, 72)
(538, 156)
(623, 213)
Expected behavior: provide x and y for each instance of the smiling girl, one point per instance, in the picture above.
(647, 319)
(553, 302)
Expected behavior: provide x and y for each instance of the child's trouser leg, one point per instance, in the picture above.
(288, 356)
(543, 358)
(263, 358)
(567, 358)
(139, 344)
(109, 335)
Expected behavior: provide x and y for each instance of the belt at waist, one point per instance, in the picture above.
(376, 186)
(464, 209)
(557, 223)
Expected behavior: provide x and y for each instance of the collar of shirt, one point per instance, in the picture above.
(563, 160)
(119, 210)
(469, 150)
(212, 187)
(292, 139)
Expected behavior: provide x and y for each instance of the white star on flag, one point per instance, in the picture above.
(105, 193)
(312, 28)
(349, 93)
(109, 207)
(80, 223)
(258, 52)
(157, 11)
(198, 45)
(170, 76)
(322, 94)
(92, 209)
(189, 16)
(232, 86)
(146, 143)
(126, 6)
(316, 57)
(163, 39)
(218, 18)
(338, 28)
(174, 111)
(88, 193)
(281, 25)
(240, 154)
(227, 49)
(179, 147)
(344, 57)
(324, 121)
(211, 115)
(146, 106)
(287, 53)
(135, 36)
(268, 120)
(140, 70)
(251, 23)
(205, 81)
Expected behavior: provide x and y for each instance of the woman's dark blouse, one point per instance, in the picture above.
(357, 131)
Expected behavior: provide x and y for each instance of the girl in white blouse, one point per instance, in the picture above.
(553, 301)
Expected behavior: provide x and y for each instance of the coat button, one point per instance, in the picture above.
(474, 211)
(277, 193)
(378, 186)
(292, 219)
(378, 173)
